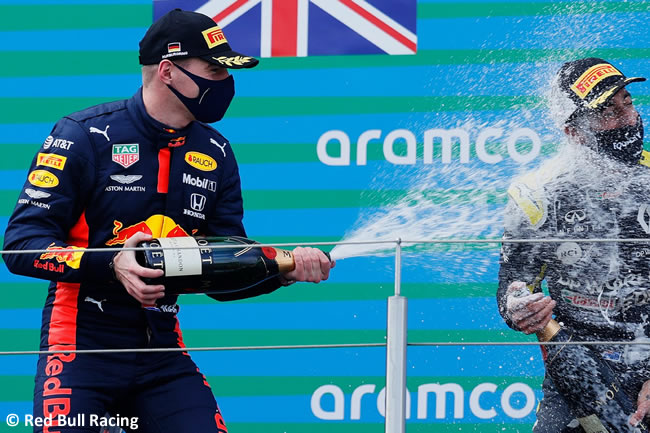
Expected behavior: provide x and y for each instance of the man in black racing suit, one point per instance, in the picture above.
(596, 187)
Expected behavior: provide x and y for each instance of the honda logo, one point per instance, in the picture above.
(198, 202)
(575, 216)
(643, 217)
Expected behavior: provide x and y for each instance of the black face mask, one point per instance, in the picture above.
(213, 100)
(623, 144)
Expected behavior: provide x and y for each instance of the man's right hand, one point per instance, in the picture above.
(530, 312)
(130, 273)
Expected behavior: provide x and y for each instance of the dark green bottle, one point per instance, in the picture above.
(202, 265)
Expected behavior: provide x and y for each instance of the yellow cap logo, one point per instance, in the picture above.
(591, 77)
(214, 36)
(51, 160)
(201, 161)
(43, 178)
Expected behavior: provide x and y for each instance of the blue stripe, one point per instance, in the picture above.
(106, 39)
(422, 361)
(556, 31)
(339, 315)
(495, 361)
(380, 175)
(298, 408)
(424, 314)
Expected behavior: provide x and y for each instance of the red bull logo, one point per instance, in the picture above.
(158, 226)
(176, 142)
(69, 256)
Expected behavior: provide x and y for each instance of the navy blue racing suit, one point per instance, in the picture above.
(601, 289)
(102, 175)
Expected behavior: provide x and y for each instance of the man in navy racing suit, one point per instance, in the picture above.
(596, 187)
(117, 174)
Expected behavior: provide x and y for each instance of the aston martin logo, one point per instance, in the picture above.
(126, 179)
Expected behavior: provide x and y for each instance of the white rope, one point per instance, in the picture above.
(368, 242)
(325, 346)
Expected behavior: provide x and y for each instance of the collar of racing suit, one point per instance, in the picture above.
(167, 137)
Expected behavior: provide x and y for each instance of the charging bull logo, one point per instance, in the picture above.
(158, 226)
(66, 255)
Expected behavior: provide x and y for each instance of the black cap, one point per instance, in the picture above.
(590, 83)
(182, 34)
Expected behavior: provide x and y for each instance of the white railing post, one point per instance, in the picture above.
(396, 354)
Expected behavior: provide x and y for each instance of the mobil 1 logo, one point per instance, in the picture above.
(200, 182)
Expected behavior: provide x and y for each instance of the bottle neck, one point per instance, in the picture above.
(549, 331)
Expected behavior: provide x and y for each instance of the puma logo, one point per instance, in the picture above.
(220, 146)
(99, 131)
(94, 301)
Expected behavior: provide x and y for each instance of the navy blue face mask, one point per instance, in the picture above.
(213, 100)
(624, 144)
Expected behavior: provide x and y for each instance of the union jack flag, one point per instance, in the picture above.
(297, 28)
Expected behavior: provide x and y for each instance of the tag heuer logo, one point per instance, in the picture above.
(126, 154)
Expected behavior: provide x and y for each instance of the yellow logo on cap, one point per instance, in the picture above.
(593, 76)
(214, 36)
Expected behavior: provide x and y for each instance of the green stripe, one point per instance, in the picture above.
(30, 64)
(280, 337)
(334, 199)
(76, 16)
(35, 110)
(8, 198)
(28, 339)
(321, 199)
(229, 386)
(23, 295)
(326, 291)
(486, 10)
(21, 155)
(265, 153)
(294, 385)
(32, 295)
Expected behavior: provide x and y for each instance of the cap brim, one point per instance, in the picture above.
(607, 95)
(232, 60)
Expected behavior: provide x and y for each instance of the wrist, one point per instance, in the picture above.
(285, 281)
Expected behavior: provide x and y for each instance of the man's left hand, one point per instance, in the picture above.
(312, 265)
(643, 405)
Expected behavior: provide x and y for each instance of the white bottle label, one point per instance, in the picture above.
(181, 262)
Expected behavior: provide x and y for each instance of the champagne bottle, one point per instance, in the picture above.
(589, 386)
(587, 383)
(193, 265)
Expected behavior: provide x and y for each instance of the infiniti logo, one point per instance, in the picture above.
(197, 202)
(575, 216)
